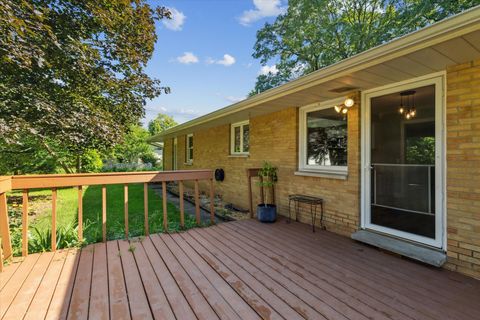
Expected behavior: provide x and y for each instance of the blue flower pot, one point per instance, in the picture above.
(266, 213)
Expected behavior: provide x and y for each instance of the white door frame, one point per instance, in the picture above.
(437, 79)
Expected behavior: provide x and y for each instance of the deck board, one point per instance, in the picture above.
(236, 270)
(80, 299)
(60, 302)
(8, 293)
(99, 300)
(24, 296)
(137, 297)
(41, 301)
(404, 288)
(117, 291)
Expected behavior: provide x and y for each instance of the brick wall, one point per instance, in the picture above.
(273, 137)
(463, 168)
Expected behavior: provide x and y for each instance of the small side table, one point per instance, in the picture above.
(312, 201)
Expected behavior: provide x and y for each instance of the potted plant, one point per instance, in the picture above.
(267, 211)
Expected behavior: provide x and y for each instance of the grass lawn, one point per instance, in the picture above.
(67, 208)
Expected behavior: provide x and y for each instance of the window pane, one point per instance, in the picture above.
(190, 142)
(236, 146)
(190, 154)
(326, 138)
(246, 138)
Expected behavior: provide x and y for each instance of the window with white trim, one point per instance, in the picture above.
(323, 139)
(240, 138)
(189, 148)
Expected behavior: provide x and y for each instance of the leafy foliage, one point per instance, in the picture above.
(269, 176)
(313, 34)
(161, 123)
(135, 147)
(73, 72)
(420, 150)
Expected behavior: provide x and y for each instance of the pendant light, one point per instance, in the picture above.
(407, 104)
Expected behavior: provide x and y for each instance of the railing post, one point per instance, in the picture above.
(182, 206)
(80, 213)
(104, 213)
(197, 203)
(145, 207)
(212, 202)
(1, 256)
(125, 201)
(4, 227)
(54, 219)
(164, 200)
(25, 223)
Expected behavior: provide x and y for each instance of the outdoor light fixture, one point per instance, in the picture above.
(349, 102)
(343, 108)
(407, 104)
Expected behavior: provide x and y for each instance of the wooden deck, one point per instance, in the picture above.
(236, 270)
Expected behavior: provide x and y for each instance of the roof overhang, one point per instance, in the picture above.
(449, 42)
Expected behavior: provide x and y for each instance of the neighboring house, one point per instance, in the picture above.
(402, 164)
(158, 150)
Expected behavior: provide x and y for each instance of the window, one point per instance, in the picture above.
(323, 139)
(240, 138)
(189, 148)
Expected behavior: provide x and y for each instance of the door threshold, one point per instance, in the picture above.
(427, 255)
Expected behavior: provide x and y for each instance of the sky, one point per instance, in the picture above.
(204, 54)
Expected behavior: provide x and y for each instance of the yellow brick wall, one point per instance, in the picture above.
(273, 137)
(463, 168)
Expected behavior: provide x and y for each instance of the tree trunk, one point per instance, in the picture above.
(79, 164)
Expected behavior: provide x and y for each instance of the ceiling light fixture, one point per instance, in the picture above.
(407, 104)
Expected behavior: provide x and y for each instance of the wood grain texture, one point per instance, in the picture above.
(80, 213)
(125, 208)
(25, 223)
(145, 208)
(235, 270)
(4, 227)
(164, 203)
(54, 220)
(104, 213)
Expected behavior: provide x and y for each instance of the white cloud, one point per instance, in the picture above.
(263, 9)
(209, 60)
(187, 58)
(227, 60)
(178, 114)
(177, 21)
(265, 70)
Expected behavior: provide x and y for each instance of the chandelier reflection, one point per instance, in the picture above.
(407, 104)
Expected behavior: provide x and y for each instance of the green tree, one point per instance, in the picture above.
(268, 81)
(72, 76)
(161, 123)
(313, 34)
(135, 147)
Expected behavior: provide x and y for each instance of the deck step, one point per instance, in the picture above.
(424, 254)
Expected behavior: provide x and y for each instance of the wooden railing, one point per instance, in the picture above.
(54, 181)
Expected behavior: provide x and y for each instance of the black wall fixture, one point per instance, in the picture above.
(219, 174)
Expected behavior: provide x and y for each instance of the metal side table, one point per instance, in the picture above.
(312, 201)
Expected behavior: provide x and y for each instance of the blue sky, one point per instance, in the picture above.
(205, 54)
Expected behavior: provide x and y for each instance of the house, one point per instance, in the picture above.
(389, 138)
